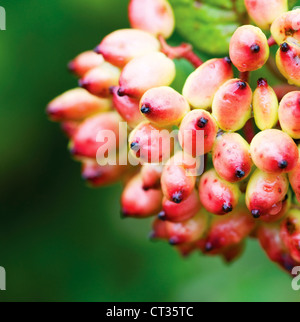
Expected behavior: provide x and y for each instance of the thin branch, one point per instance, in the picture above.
(245, 76)
(249, 130)
(271, 41)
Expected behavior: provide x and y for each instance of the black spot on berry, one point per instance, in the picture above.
(208, 247)
(285, 47)
(174, 241)
(241, 84)
(282, 164)
(162, 216)
(121, 92)
(228, 60)
(256, 214)
(145, 109)
(291, 228)
(177, 197)
(255, 48)
(240, 174)
(262, 82)
(227, 208)
(202, 122)
(134, 146)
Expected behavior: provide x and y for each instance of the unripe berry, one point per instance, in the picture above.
(201, 86)
(228, 230)
(287, 60)
(231, 157)
(265, 193)
(294, 177)
(85, 143)
(140, 203)
(98, 176)
(290, 233)
(121, 46)
(76, 104)
(99, 80)
(232, 105)
(154, 16)
(265, 105)
(127, 107)
(185, 210)
(176, 184)
(150, 144)
(271, 242)
(217, 195)
(85, 62)
(146, 72)
(164, 106)
(197, 121)
(286, 25)
(187, 231)
(264, 12)
(151, 175)
(249, 49)
(274, 151)
(289, 114)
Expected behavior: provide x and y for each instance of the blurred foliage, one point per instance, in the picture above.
(62, 241)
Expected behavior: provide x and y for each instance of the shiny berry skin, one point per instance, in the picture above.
(227, 231)
(232, 105)
(287, 60)
(121, 46)
(265, 193)
(76, 104)
(154, 16)
(294, 177)
(150, 144)
(85, 143)
(197, 132)
(271, 242)
(187, 231)
(151, 175)
(286, 25)
(264, 12)
(249, 49)
(274, 151)
(140, 203)
(289, 114)
(127, 107)
(99, 80)
(231, 157)
(265, 105)
(217, 195)
(201, 86)
(85, 62)
(163, 106)
(98, 176)
(146, 72)
(290, 233)
(178, 212)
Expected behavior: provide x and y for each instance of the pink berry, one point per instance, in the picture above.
(294, 177)
(217, 195)
(164, 106)
(76, 104)
(201, 86)
(231, 157)
(249, 49)
(146, 72)
(140, 203)
(121, 46)
(197, 132)
(159, 230)
(274, 151)
(154, 16)
(70, 128)
(151, 175)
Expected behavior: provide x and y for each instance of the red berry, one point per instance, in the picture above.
(294, 177)
(151, 175)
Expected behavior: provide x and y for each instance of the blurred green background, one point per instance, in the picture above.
(62, 241)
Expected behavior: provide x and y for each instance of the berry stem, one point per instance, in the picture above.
(245, 76)
(282, 90)
(249, 130)
(184, 51)
(271, 41)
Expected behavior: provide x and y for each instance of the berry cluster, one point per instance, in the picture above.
(250, 185)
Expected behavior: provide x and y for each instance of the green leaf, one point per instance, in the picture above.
(208, 24)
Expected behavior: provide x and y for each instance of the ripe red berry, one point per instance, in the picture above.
(85, 62)
(232, 105)
(138, 202)
(197, 132)
(121, 46)
(201, 86)
(249, 49)
(151, 175)
(274, 151)
(159, 230)
(217, 195)
(265, 193)
(146, 72)
(163, 106)
(231, 157)
(154, 16)
(76, 104)
(264, 12)
(99, 80)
